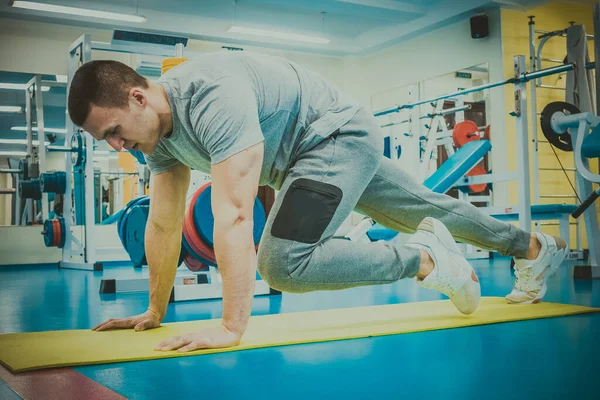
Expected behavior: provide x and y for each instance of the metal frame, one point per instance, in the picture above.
(535, 60)
(78, 254)
(579, 126)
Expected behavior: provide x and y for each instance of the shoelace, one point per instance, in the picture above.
(525, 280)
(445, 286)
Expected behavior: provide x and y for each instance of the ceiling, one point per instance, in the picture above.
(353, 26)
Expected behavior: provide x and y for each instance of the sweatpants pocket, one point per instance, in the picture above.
(307, 209)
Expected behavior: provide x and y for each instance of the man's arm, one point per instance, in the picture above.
(162, 245)
(163, 233)
(234, 190)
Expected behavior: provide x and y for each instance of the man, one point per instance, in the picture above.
(252, 120)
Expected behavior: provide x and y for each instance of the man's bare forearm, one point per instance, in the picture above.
(162, 252)
(236, 257)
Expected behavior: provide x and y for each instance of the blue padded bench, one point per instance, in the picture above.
(457, 166)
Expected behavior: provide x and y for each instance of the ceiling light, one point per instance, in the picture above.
(19, 86)
(21, 141)
(278, 35)
(30, 5)
(11, 109)
(13, 153)
(35, 129)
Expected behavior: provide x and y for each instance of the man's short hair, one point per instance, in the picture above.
(101, 83)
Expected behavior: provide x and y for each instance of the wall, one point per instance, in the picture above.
(381, 80)
(515, 38)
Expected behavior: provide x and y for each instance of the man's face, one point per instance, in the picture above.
(135, 127)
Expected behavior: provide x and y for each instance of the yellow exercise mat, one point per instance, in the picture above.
(37, 350)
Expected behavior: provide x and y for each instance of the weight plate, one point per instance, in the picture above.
(198, 247)
(204, 222)
(191, 252)
(55, 233)
(561, 140)
(76, 149)
(63, 232)
(122, 223)
(24, 168)
(194, 265)
(476, 188)
(48, 233)
(465, 132)
(136, 229)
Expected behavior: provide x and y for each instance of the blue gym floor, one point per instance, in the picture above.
(541, 359)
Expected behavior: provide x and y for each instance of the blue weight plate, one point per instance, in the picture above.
(136, 228)
(203, 217)
(61, 182)
(63, 232)
(204, 220)
(48, 233)
(122, 223)
(260, 220)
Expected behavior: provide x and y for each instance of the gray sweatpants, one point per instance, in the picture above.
(347, 172)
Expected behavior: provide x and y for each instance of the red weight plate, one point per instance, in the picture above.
(476, 171)
(194, 265)
(192, 237)
(55, 233)
(465, 132)
(487, 133)
(197, 245)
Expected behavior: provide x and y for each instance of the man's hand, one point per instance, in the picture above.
(147, 320)
(207, 339)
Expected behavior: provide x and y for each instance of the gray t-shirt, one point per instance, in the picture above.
(223, 103)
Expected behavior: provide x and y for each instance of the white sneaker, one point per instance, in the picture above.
(532, 275)
(452, 274)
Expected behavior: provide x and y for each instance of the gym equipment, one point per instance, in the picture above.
(203, 219)
(465, 132)
(53, 349)
(519, 78)
(138, 156)
(590, 147)
(30, 189)
(53, 182)
(487, 133)
(476, 187)
(194, 265)
(580, 133)
(134, 236)
(556, 135)
(457, 166)
(77, 154)
(122, 222)
(54, 232)
(24, 168)
(169, 63)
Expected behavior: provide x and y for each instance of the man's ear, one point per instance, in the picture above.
(138, 96)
